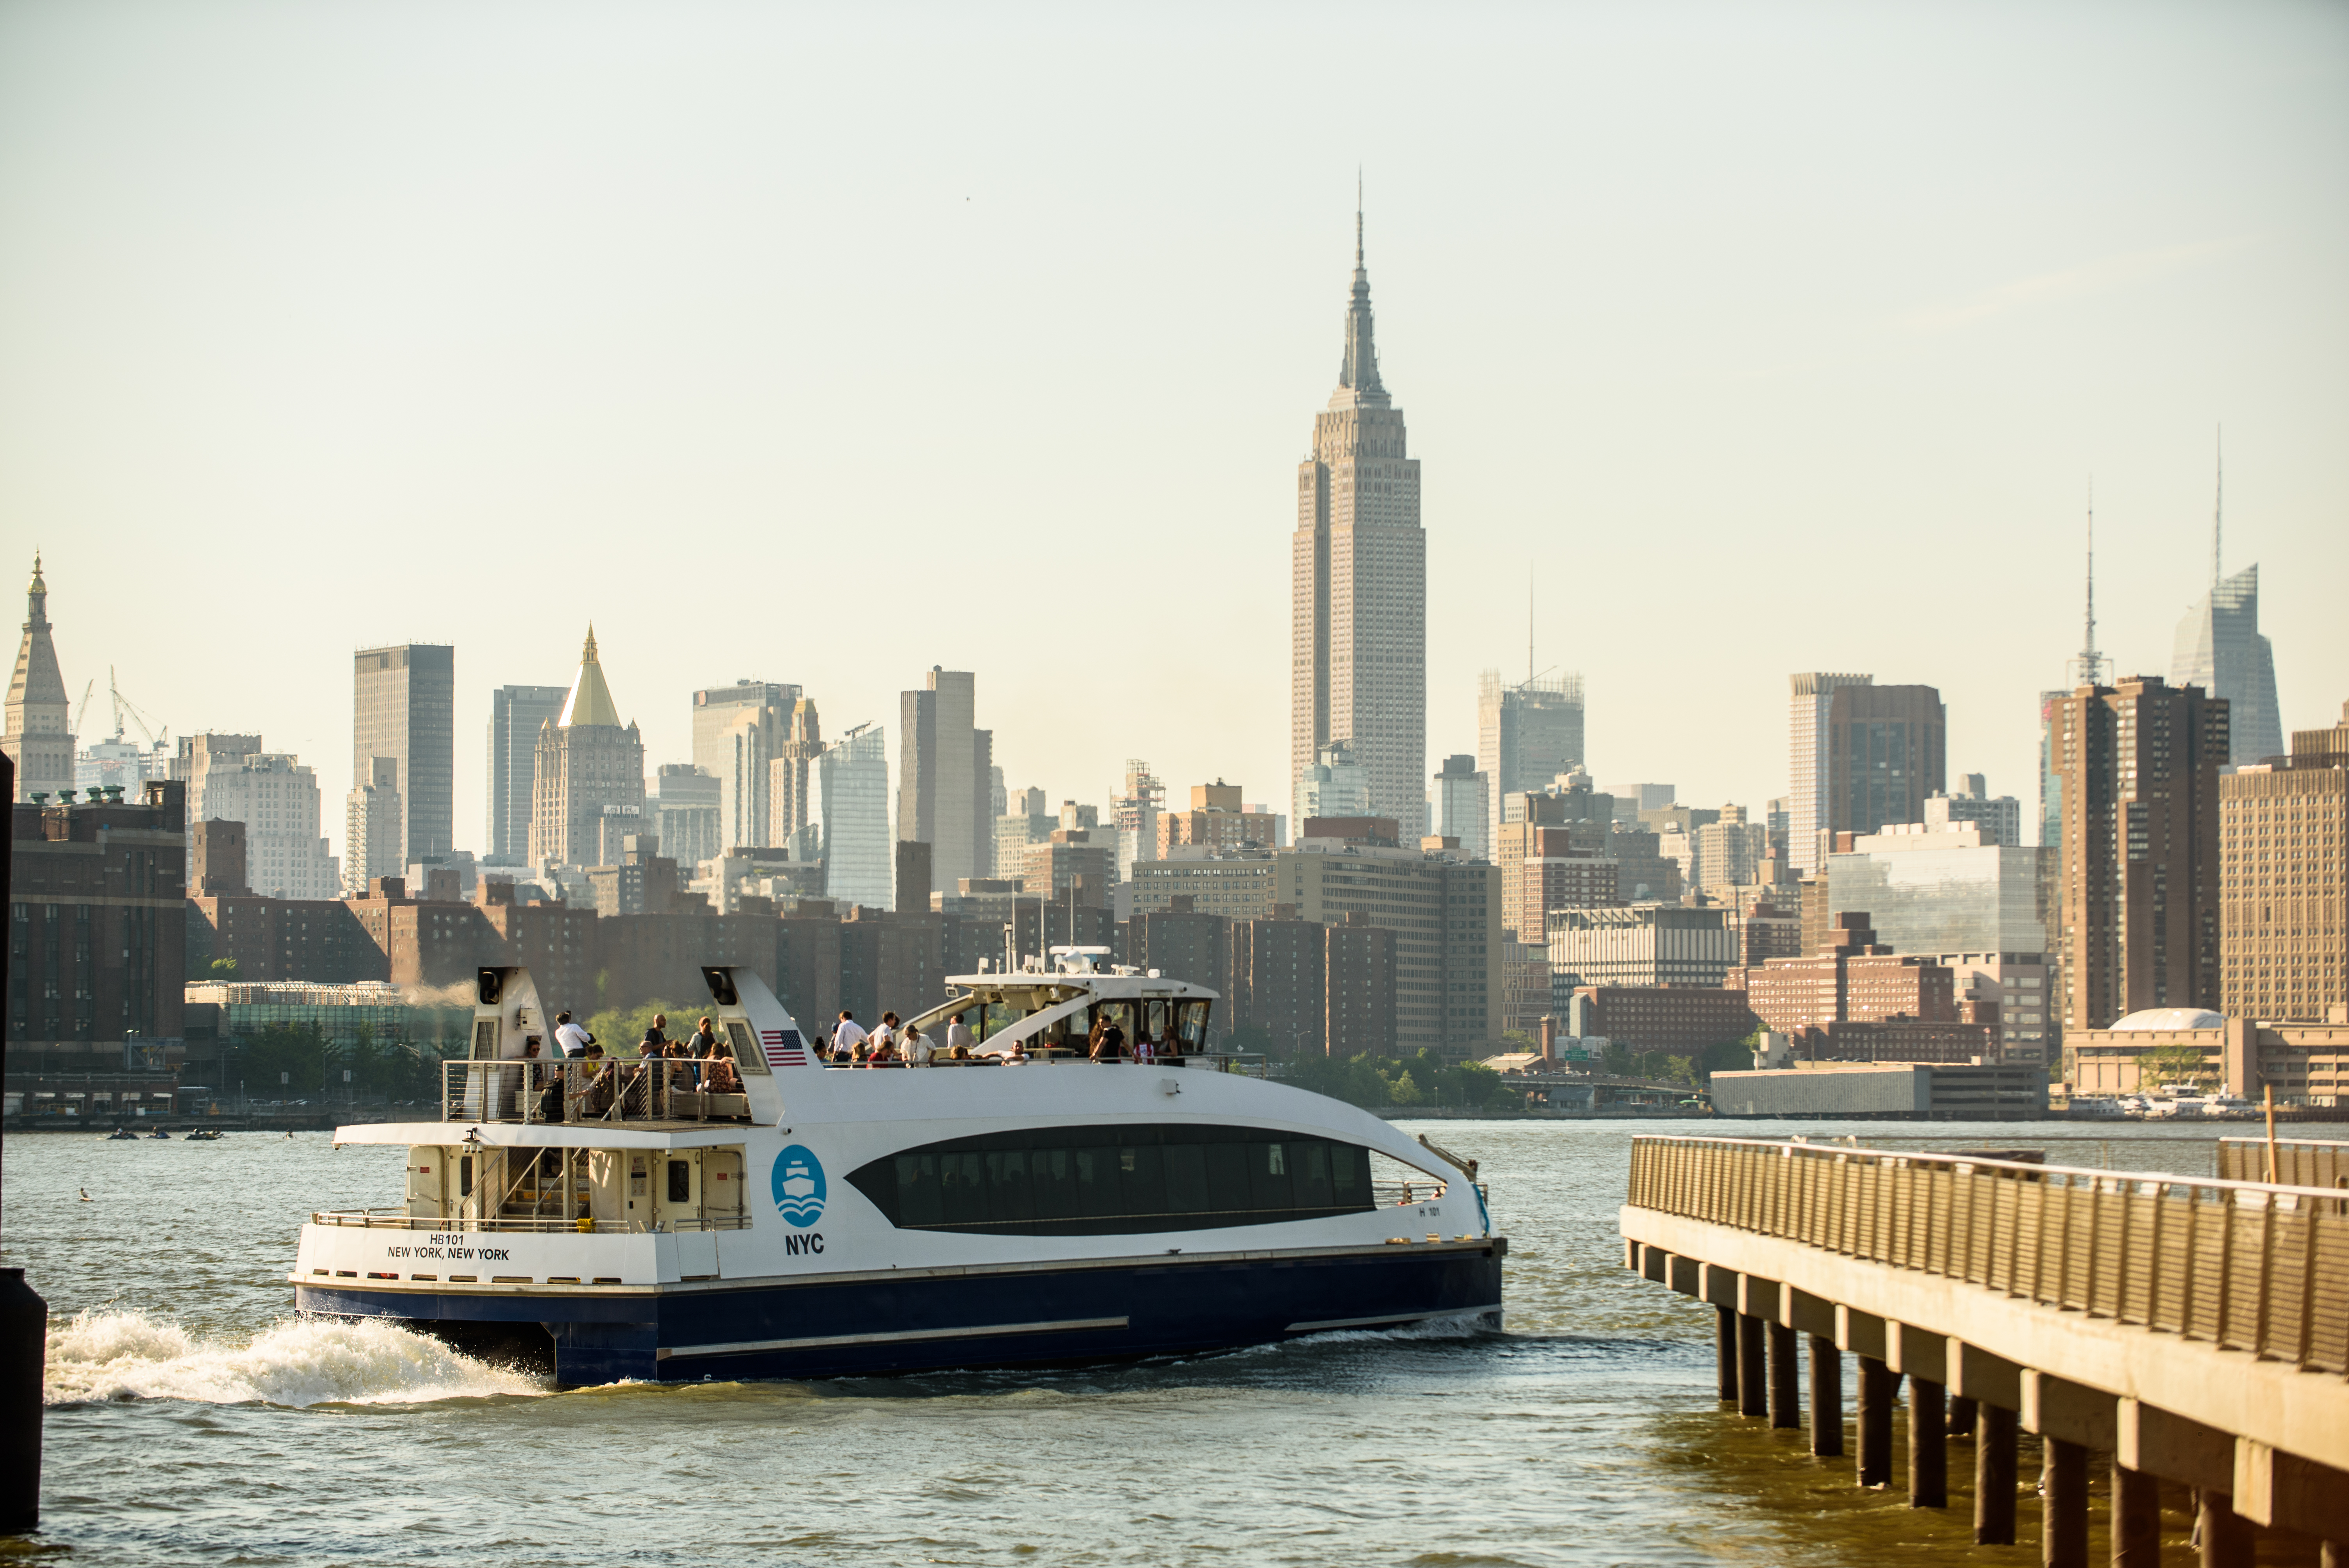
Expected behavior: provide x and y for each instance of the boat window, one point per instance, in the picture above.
(680, 1182)
(465, 1177)
(1194, 1025)
(1084, 1182)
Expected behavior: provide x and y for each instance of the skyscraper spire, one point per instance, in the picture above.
(2089, 669)
(2219, 508)
(1358, 375)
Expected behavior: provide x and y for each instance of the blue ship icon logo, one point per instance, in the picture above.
(799, 1186)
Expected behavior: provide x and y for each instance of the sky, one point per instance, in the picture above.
(824, 345)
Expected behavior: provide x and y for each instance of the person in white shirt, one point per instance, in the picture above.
(886, 1035)
(959, 1041)
(917, 1047)
(569, 1038)
(847, 1035)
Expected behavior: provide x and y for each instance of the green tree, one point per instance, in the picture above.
(1402, 1090)
(2175, 1062)
(223, 968)
(297, 1050)
(618, 1029)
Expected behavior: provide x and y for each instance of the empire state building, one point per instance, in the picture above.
(1359, 593)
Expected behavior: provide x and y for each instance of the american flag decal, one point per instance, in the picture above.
(784, 1048)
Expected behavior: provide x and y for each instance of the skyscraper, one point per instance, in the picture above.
(2220, 648)
(946, 777)
(1463, 805)
(38, 740)
(2088, 668)
(1526, 734)
(586, 760)
(2283, 856)
(859, 856)
(230, 778)
(738, 733)
(404, 707)
(2139, 892)
(1864, 755)
(373, 826)
(791, 799)
(1358, 573)
(516, 715)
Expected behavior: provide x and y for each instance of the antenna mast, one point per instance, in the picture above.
(1529, 622)
(2219, 508)
(2091, 665)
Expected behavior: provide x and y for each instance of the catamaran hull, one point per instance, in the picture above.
(914, 1320)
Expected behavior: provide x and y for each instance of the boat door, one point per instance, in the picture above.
(480, 1098)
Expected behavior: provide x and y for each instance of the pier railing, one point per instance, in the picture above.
(2297, 1165)
(2248, 1265)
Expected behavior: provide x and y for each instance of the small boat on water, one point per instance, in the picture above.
(120, 1135)
(200, 1135)
(773, 1215)
(158, 1132)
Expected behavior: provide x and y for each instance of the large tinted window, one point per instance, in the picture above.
(1102, 1181)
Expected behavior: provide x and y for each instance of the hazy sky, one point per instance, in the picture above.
(827, 345)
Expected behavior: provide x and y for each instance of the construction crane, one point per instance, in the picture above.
(83, 711)
(122, 705)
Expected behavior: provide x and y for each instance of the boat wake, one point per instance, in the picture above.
(114, 1354)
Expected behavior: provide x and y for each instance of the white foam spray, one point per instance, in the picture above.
(113, 1355)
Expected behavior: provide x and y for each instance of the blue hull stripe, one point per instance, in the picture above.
(873, 1327)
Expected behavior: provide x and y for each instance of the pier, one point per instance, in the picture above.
(2191, 1331)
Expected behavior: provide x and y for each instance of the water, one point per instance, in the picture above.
(194, 1420)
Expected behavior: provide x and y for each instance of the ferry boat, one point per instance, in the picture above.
(1028, 1206)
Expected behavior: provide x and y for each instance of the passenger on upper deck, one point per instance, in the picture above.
(957, 1038)
(656, 1035)
(723, 1078)
(569, 1038)
(545, 1080)
(918, 1051)
(886, 1035)
(1108, 1042)
(847, 1035)
(705, 1040)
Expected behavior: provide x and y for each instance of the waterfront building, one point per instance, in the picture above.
(230, 778)
(517, 713)
(1644, 945)
(1278, 979)
(373, 827)
(2307, 1064)
(1358, 584)
(853, 783)
(1856, 1000)
(39, 738)
(2284, 882)
(1978, 907)
(1336, 784)
(404, 708)
(945, 770)
(1528, 734)
(2139, 882)
(1463, 800)
(98, 931)
(1686, 1020)
(586, 760)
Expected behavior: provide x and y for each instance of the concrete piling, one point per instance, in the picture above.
(1724, 1349)
(1753, 1373)
(1785, 1379)
(1962, 1413)
(1929, 1445)
(1827, 1397)
(2225, 1535)
(2136, 1518)
(2064, 1513)
(1878, 1386)
(1994, 1464)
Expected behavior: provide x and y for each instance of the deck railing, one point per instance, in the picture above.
(402, 1220)
(2247, 1265)
(2297, 1165)
(611, 1091)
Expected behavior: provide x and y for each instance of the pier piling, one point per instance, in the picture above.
(1725, 1350)
(1929, 1445)
(1993, 1475)
(2136, 1518)
(1827, 1397)
(2226, 1535)
(1962, 1416)
(1752, 1374)
(1785, 1379)
(1878, 1386)
(2064, 1511)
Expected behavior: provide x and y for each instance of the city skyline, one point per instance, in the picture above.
(1847, 418)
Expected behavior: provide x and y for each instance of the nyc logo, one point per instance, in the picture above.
(799, 1186)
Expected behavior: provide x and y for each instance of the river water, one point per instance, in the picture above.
(193, 1418)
